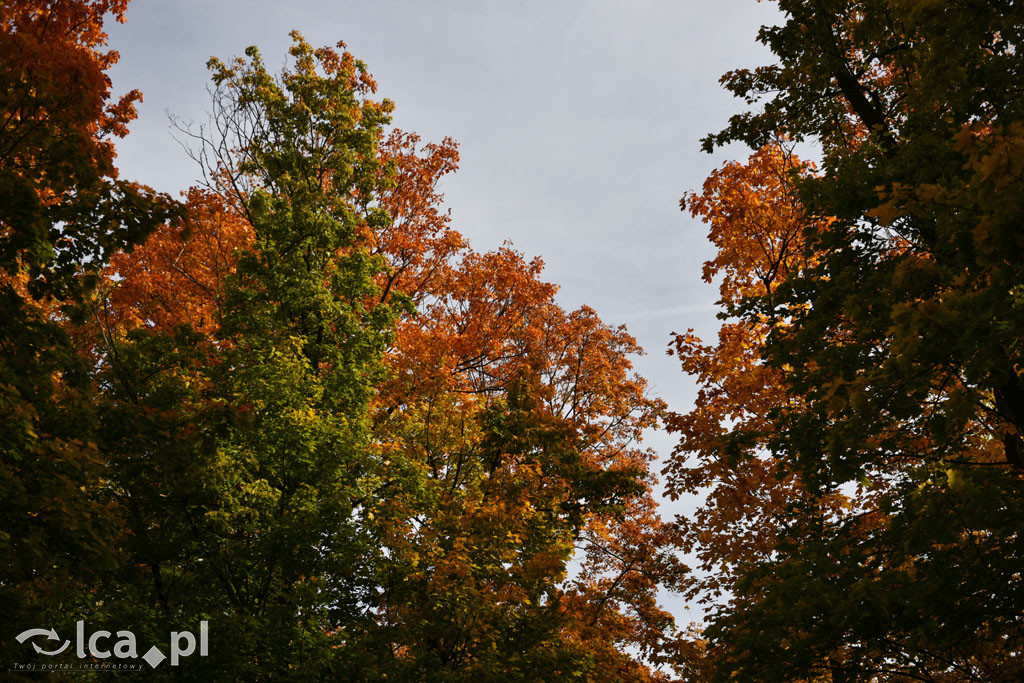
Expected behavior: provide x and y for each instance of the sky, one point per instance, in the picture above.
(579, 124)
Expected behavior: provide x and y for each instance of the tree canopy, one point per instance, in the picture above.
(312, 415)
(862, 407)
(299, 406)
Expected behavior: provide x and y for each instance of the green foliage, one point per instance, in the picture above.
(246, 459)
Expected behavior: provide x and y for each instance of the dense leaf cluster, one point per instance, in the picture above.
(297, 405)
(892, 341)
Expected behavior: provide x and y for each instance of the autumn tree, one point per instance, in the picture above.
(523, 418)
(756, 223)
(505, 431)
(63, 212)
(502, 438)
(896, 349)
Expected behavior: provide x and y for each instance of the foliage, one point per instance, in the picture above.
(756, 222)
(63, 211)
(238, 366)
(457, 497)
(895, 348)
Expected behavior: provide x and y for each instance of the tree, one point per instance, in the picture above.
(897, 345)
(237, 369)
(522, 417)
(500, 442)
(756, 223)
(63, 211)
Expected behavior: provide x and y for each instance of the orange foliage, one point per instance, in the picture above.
(55, 47)
(481, 328)
(62, 209)
(176, 276)
(756, 223)
(418, 241)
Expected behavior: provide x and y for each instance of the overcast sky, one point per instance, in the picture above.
(578, 122)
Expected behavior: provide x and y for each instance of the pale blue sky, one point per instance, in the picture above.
(579, 125)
